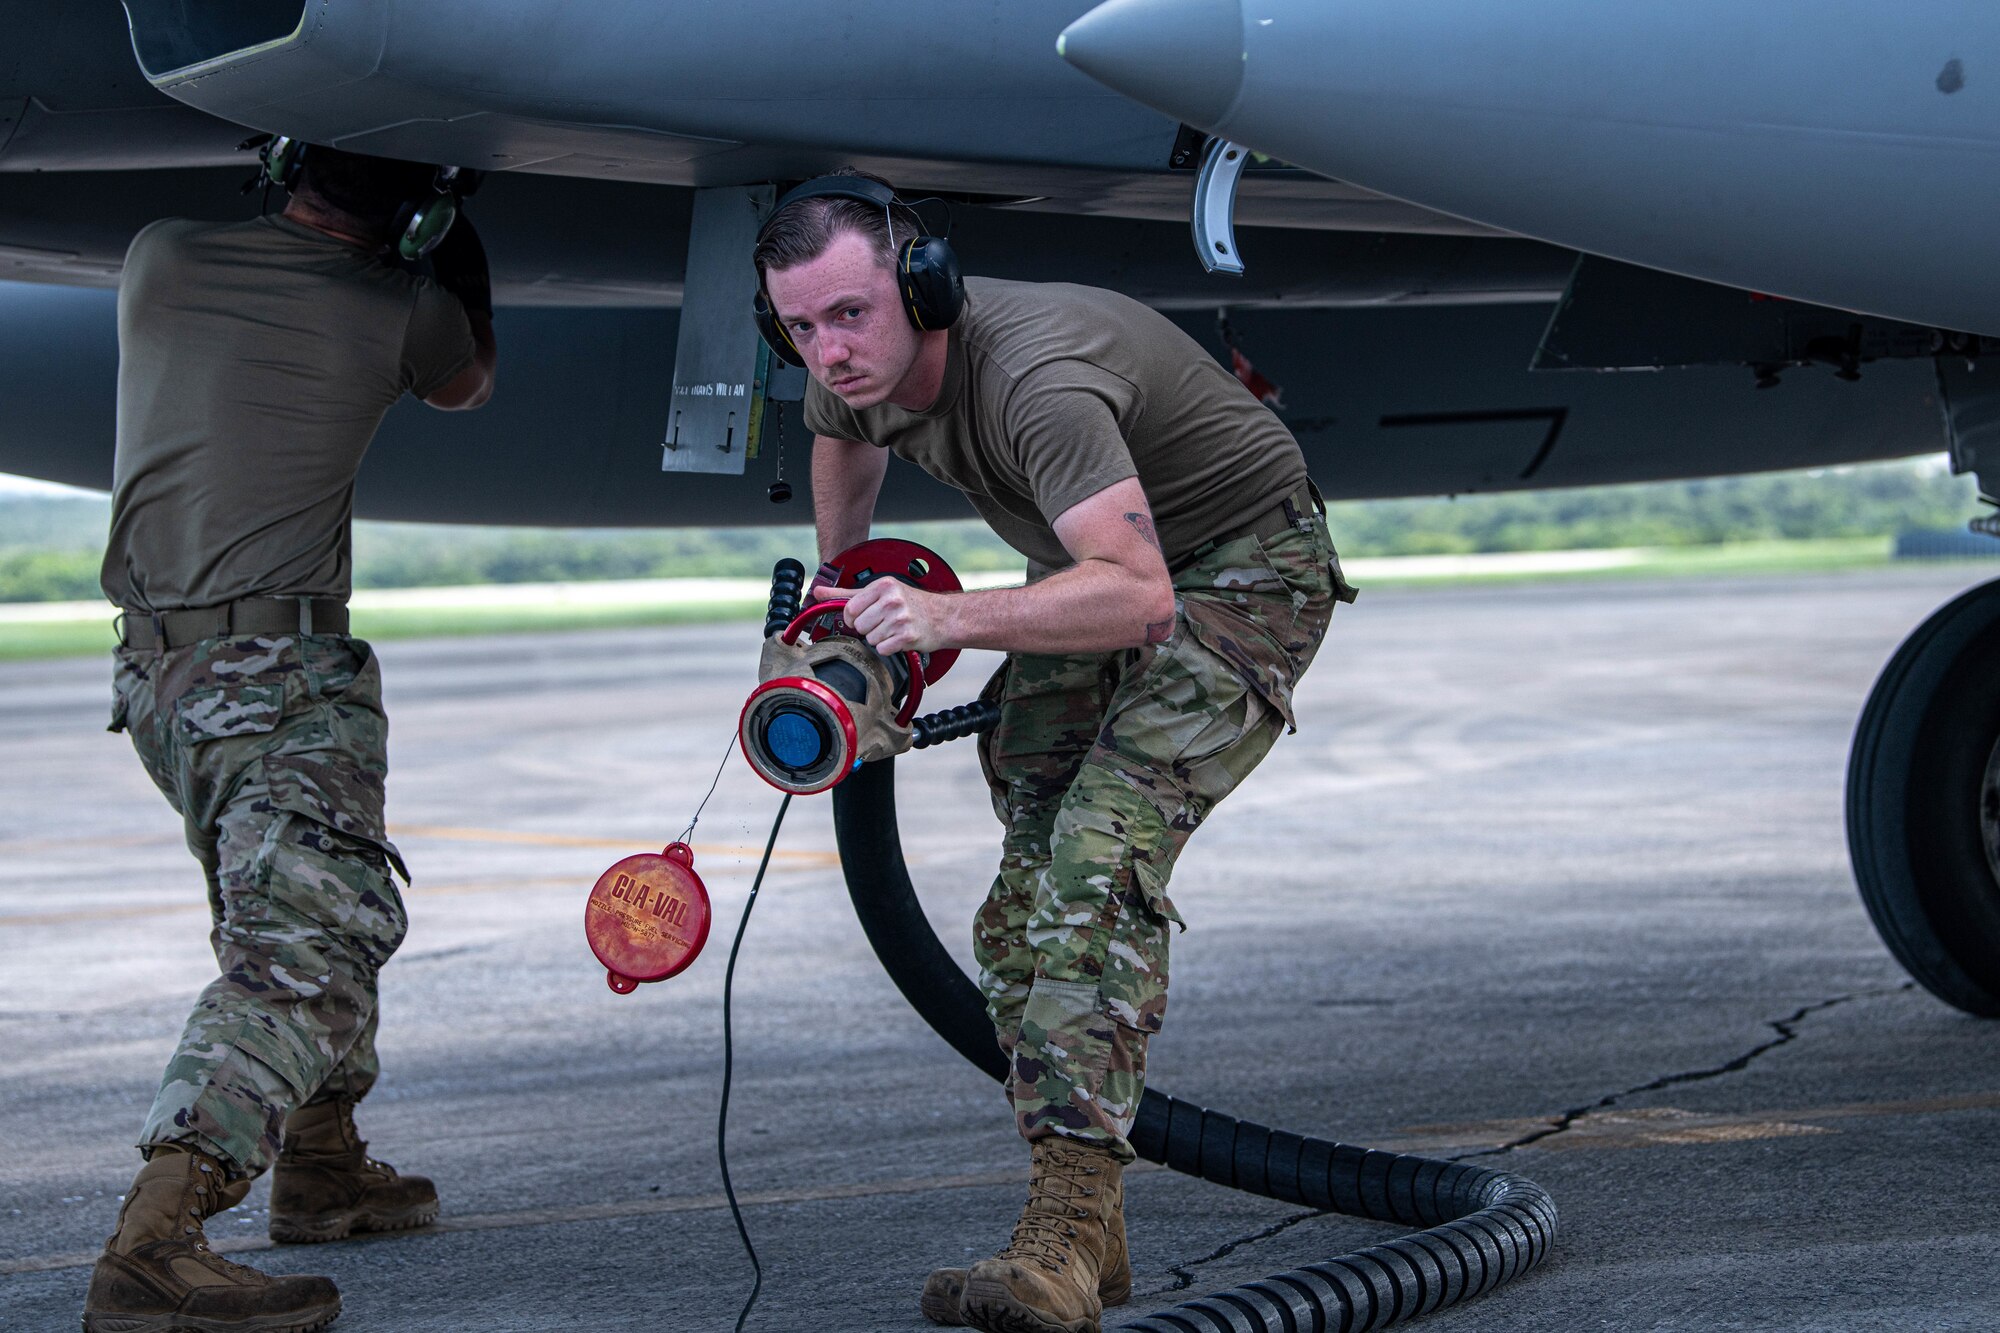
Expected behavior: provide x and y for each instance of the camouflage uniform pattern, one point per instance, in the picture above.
(272, 748)
(1101, 768)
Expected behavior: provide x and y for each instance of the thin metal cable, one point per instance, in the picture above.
(729, 1064)
(688, 832)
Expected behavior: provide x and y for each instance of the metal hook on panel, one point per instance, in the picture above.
(1222, 164)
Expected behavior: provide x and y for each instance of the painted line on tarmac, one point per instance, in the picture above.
(590, 1212)
(1670, 1126)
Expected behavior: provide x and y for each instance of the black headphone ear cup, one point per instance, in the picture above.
(774, 334)
(933, 288)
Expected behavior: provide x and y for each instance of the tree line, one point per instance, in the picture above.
(50, 546)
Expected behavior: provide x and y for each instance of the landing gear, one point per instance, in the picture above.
(1923, 803)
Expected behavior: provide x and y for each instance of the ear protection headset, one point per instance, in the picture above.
(420, 224)
(927, 275)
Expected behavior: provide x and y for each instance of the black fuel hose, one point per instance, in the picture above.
(1482, 1227)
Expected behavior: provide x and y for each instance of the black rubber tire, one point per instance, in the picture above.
(1914, 784)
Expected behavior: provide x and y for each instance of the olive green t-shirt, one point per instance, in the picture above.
(255, 360)
(1053, 392)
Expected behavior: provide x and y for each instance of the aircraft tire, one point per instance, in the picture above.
(1481, 1227)
(1923, 803)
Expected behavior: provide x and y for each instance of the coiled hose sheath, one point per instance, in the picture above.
(1481, 1227)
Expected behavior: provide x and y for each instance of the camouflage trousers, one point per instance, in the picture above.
(272, 748)
(1101, 767)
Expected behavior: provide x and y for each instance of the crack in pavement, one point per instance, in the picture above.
(1787, 1029)
(1184, 1271)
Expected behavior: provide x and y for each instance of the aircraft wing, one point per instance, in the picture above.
(1401, 336)
(1839, 152)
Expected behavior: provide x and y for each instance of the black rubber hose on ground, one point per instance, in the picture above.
(1482, 1228)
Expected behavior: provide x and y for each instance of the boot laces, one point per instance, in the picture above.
(197, 1238)
(1048, 1224)
(371, 1167)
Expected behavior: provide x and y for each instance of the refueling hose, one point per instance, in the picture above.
(1482, 1227)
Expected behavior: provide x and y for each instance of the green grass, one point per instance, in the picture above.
(61, 638)
(1773, 557)
(75, 638)
(1732, 560)
(434, 622)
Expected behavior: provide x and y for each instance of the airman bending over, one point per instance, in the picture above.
(1180, 580)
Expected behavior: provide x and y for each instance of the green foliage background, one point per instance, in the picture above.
(50, 546)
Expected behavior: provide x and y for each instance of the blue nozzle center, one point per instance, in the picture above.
(795, 740)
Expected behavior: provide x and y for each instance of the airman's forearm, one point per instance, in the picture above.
(846, 478)
(1095, 606)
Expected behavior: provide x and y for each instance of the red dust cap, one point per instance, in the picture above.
(647, 917)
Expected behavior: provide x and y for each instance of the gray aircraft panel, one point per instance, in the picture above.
(656, 82)
(583, 242)
(69, 79)
(1841, 152)
(572, 436)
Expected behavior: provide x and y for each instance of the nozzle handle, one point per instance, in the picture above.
(788, 584)
(832, 607)
(951, 723)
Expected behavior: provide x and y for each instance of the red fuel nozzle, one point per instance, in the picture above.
(826, 700)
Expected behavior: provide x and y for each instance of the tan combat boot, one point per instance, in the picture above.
(157, 1274)
(1047, 1279)
(325, 1186)
(944, 1289)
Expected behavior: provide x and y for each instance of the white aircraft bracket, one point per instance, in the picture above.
(1222, 164)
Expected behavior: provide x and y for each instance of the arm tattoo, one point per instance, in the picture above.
(1159, 631)
(1144, 523)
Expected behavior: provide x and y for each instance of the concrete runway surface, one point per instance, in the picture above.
(1561, 862)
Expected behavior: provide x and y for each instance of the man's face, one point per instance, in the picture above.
(845, 316)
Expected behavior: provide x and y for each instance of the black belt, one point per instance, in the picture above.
(150, 630)
(1291, 514)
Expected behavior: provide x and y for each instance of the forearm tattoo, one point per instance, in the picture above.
(1159, 631)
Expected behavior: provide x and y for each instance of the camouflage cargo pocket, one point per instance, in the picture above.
(219, 712)
(333, 792)
(1183, 736)
(1264, 609)
(1245, 646)
(135, 711)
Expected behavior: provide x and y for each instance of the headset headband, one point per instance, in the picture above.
(858, 188)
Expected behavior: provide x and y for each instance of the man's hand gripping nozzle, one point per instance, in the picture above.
(826, 701)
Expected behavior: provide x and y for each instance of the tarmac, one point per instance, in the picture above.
(1558, 862)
